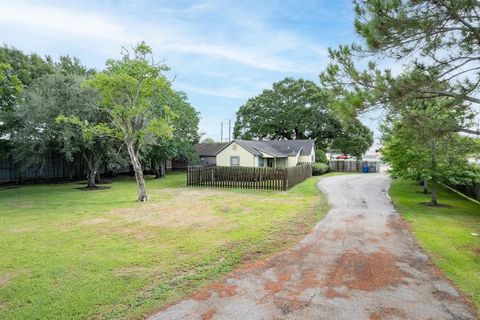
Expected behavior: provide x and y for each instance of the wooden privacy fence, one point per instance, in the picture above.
(248, 177)
(473, 191)
(353, 166)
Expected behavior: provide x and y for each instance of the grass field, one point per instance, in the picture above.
(72, 254)
(445, 233)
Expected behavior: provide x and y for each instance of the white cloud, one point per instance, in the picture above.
(224, 92)
(231, 53)
(262, 48)
(62, 23)
(219, 50)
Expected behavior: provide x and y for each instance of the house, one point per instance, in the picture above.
(275, 154)
(207, 156)
(208, 152)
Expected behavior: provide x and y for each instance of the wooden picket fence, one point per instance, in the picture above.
(247, 177)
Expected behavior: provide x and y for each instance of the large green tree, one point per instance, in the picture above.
(292, 109)
(131, 90)
(39, 136)
(437, 42)
(17, 72)
(11, 89)
(422, 142)
(185, 134)
(441, 38)
(353, 139)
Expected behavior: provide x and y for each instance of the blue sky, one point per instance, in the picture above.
(220, 52)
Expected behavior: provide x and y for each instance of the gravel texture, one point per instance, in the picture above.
(360, 262)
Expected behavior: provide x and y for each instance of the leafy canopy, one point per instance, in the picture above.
(436, 41)
(354, 139)
(292, 109)
(131, 88)
(38, 134)
(423, 142)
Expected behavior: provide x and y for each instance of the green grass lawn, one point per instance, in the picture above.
(72, 254)
(445, 233)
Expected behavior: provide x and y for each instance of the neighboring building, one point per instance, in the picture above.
(275, 154)
(208, 152)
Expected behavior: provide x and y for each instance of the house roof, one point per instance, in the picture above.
(276, 148)
(209, 149)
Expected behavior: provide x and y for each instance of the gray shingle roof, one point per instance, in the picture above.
(278, 148)
(209, 149)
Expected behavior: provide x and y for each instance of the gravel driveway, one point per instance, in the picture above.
(360, 262)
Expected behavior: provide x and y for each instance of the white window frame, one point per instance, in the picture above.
(238, 161)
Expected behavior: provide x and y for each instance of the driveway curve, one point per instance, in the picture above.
(360, 262)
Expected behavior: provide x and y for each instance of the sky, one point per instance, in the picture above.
(220, 52)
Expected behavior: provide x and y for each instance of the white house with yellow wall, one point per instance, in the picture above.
(275, 154)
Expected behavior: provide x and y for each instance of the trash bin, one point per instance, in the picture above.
(365, 168)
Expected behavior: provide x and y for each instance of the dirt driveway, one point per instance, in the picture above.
(360, 262)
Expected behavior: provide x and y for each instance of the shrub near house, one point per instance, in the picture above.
(319, 168)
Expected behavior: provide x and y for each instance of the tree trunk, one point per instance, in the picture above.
(92, 172)
(98, 179)
(434, 194)
(163, 168)
(425, 186)
(156, 169)
(91, 184)
(137, 167)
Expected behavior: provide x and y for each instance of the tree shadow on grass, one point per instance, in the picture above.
(92, 188)
(438, 205)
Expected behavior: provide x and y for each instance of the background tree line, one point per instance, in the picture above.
(126, 113)
(301, 109)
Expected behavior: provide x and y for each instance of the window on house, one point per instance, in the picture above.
(234, 161)
(270, 162)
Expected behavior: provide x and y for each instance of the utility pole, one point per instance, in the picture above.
(229, 130)
(221, 132)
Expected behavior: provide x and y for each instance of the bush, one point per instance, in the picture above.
(320, 156)
(319, 168)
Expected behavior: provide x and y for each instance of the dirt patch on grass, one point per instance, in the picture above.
(94, 221)
(365, 272)
(5, 279)
(476, 251)
(174, 213)
(188, 208)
